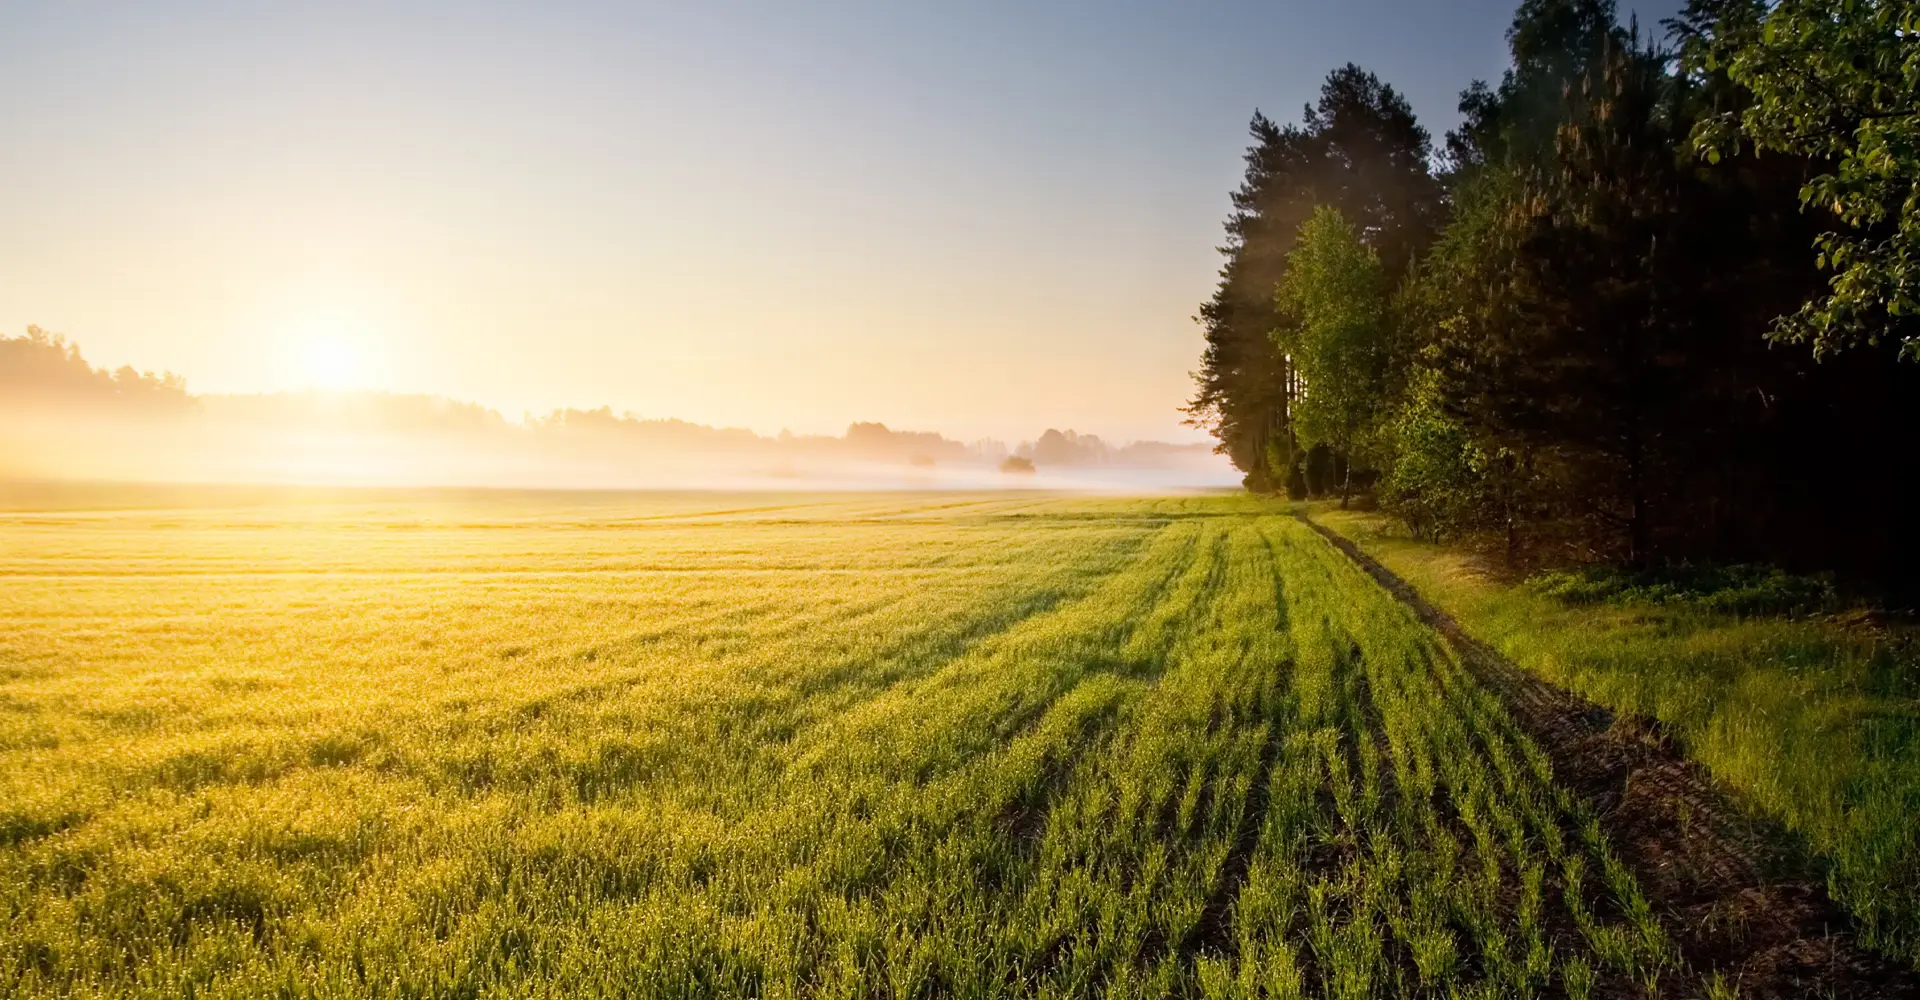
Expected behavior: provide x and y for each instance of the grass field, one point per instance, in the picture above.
(1816, 723)
(454, 745)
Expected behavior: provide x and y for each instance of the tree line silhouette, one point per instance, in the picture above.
(1650, 301)
(44, 368)
(45, 376)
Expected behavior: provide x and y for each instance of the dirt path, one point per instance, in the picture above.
(1736, 893)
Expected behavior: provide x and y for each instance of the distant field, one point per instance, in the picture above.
(344, 744)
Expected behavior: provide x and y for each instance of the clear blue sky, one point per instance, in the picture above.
(981, 217)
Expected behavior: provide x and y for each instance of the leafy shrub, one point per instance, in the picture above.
(1734, 590)
(1436, 480)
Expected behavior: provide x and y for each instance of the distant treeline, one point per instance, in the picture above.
(44, 368)
(46, 384)
(1653, 300)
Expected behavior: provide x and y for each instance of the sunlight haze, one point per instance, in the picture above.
(982, 220)
(967, 500)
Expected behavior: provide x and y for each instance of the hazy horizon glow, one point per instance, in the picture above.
(985, 220)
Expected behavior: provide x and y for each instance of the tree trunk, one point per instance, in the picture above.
(1638, 534)
(1638, 542)
(1509, 471)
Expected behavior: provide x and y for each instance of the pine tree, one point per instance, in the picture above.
(1358, 149)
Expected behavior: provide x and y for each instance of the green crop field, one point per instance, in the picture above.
(456, 745)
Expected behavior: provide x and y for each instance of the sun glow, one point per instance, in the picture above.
(328, 356)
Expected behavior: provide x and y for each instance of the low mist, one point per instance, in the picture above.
(60, 418)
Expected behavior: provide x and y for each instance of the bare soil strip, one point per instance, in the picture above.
(1737, 893)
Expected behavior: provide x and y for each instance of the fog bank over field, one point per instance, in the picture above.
(61, 418)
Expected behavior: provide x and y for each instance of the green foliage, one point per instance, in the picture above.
(1587, 326)
(1440, 475)
(1837, 81)
(1512, 126)
(1334, 294)
(1734, 590)
(1564, 353)
(1357, 149)
(1593, 319)
(1437, 478)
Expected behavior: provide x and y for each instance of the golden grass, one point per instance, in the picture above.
(461, 745)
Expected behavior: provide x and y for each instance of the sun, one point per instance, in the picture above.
(329, 356)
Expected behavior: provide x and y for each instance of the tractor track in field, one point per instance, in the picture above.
(1738, 894)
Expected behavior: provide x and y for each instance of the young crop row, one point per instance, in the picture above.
(1813, 722)
(1114, 748)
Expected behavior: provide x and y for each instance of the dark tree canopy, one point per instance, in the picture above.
(1837, 81)
(1358, 149)
(1579, 314)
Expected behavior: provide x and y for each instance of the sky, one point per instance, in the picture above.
(984, 218)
